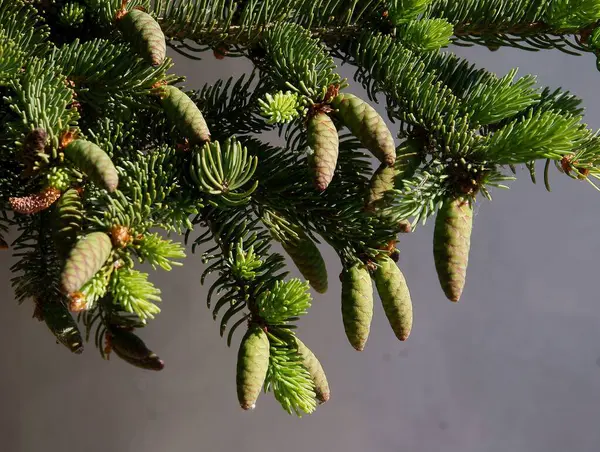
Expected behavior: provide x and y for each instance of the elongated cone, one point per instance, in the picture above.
(129, 347)
(309, 261)
(451, 243)
(94, 162)
(252, 366)
(323, 140)
(395, 297)
(145, 35)
(61, 324)
(88, 256)
(357, 304)
(367, 125)
(68, 220)
(129, 344)
(150, 363)
(317, 374)
(386, 178)
(184, 114)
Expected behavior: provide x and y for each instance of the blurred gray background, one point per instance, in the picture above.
(515, 366)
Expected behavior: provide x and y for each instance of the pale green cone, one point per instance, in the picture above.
(357, 304)
(395, 297)
(317, 374)
(451, 244)
(323, 140)
(252, 366)
(367, 125)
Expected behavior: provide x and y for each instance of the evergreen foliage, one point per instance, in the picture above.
(103, 151)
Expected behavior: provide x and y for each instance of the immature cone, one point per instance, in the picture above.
(367, 125)
(317, 374)
(61, 324)
(184, 114)
(153, 363)
(323, 140)
(94, 162)
(395, 297)
(252, 366)
(35, 203)
(88, 256)
(357, 304)
(309, 261)
(387, 178)
(145, 35)
(451, 243)
(129, 347)
(68, 220)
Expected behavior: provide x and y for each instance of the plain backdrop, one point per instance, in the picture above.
(514, 366)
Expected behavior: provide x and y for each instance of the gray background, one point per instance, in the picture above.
(515, 366)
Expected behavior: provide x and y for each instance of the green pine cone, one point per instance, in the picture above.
(252, 366)
(68, 219)
(309, 261)
(386, 178)
(61, 323)
(184, 114)
(94, 162)
(323, 140)
(88, 256)
(151, 363)
(395, 297)
(145, 36)
(367, 125)
(317, 374)
(451, 243)
(357, 304)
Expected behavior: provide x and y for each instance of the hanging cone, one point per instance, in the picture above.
(357, 304)
(61, 324)
(317, 374)
(367, 125)
(323, 140)
(94, 162)
(451, 243)
(395, 297)
(88, 256)
(309, 261)
(184, 114)
(145, 35)
(387, 178)
(252, 366)
(129, 347)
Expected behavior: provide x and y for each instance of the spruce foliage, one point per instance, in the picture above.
(103, 151)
